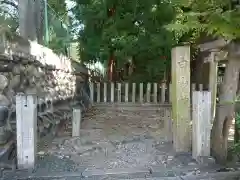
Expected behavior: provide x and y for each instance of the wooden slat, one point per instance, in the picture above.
(112, 92)
(141, 92)
(92, 91)
(193, 87)
(126, 92)
(148, 92)
(155, 92)
(105, 92)
(163, 92)
(119, 93)
(98, 93)
(134, 92)
(170, 93)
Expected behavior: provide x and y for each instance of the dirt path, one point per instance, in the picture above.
(117, 144)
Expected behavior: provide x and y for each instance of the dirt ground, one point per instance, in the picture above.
(117, 144)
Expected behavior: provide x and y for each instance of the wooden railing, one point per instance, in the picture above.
(107, 92)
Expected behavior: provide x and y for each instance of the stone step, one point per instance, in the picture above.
(117, 173)
(78, 175)
(124, 173)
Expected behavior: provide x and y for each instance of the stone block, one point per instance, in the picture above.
(118, 173)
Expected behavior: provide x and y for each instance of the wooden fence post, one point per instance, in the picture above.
(133, 92)
(98, 92)
(155, 93)
(76, 122)
(126, 92)
(170, 93)
(180, 97)
(112, 92)
(92, 91)
(141, 92)
(105, 92)
(119, 95)
(148, 93)
(213, 76)
(163, 90)
(201, 125)
(26, 115)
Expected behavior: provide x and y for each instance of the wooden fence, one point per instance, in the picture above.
(134, 92)
(158, 94)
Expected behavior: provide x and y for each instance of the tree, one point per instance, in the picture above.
(8, 15)
(58, 26)
(28, 19)
(129, 29)
(217, 18)
(220, 19)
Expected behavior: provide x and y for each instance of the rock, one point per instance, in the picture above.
(116, 172)
(192, 164)
(206, 160)
(4, 100)
(170, 158)
(3, 82)
(41, 153)
(15, 81)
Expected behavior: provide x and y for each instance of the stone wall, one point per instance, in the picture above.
(27, 67)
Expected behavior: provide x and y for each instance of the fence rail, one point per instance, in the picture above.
(109, 92)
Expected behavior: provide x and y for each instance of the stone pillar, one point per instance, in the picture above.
(76, 122)
(180, 96)
(26, 112)
(201, 124)
(27, 26)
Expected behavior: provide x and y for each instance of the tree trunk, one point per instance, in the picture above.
(237, 110)
(225, 112)
(27, 25)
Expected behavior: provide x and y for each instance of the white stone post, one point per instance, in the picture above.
(213, 75)
(26, 115)
(76, 122)
(201, 125)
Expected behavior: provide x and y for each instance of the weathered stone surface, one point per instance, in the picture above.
(118, 145)
(40, 72)
(119, 172)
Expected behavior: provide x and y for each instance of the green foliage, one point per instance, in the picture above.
(8, 15)
(57, 17)
(235, 149)
(146, 30)
(58, 29)
(135, 29)
(217, 18)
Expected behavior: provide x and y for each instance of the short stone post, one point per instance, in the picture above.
(26, 115)
(76, 122)
(168, 125)
(201, 125)
(180, 98)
